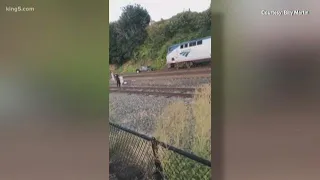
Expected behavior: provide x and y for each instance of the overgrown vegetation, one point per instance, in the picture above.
(133, 42)
(189, 128)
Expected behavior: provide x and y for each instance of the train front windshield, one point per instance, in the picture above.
(170, 49)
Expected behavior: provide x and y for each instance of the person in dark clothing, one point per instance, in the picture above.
(116, 76)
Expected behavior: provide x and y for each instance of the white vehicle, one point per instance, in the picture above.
(189, 53)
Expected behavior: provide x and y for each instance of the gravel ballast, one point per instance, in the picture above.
(174, 82)
(138, 112)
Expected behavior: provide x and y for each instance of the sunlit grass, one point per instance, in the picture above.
(187, 127)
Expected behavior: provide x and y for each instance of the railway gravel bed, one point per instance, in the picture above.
(138, 112)
(146, 88)
(157, 91)
(167, 82)
(153, 93)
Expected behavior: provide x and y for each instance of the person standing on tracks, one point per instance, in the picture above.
(116, 76)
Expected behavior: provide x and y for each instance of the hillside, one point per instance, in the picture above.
(151, 41)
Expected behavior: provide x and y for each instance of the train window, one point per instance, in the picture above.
(192, 44)
(181, 46)
(186, 45)
(199, 42)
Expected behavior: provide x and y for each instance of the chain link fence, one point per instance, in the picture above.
(134, 156)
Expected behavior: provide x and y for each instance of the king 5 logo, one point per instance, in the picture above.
(185, 53)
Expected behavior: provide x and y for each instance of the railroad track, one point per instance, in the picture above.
(185, 75)
(156, 91)
(200, 71)
(166, 71)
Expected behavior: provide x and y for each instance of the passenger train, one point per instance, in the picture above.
(189, 53)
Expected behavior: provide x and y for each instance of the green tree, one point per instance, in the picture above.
(128, 33)
(114, 52)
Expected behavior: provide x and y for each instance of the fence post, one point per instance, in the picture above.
(159, 170)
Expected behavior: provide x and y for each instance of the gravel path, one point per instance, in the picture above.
(138, 112)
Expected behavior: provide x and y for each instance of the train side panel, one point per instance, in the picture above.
(190, 51)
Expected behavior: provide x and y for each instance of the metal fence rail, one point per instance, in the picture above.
(137, 156)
